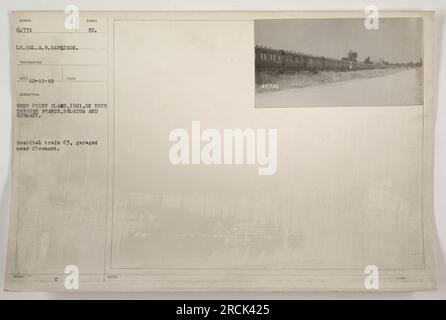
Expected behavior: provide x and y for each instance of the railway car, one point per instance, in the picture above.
(269, 59)
(282, 60)
(294, 61)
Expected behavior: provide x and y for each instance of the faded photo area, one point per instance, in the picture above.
(338, 62)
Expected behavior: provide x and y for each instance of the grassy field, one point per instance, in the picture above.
(267, 81)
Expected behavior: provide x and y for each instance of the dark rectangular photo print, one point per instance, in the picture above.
(338, 62)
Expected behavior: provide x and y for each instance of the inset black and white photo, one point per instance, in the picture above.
(338, 62)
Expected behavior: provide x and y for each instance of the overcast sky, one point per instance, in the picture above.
(397, 40)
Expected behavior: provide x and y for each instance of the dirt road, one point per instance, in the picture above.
(401, 88)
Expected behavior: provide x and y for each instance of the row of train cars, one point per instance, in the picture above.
(276, 60)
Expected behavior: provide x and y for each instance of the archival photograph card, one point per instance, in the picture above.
(222, 151)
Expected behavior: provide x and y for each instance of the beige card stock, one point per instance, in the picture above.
(122, 173)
